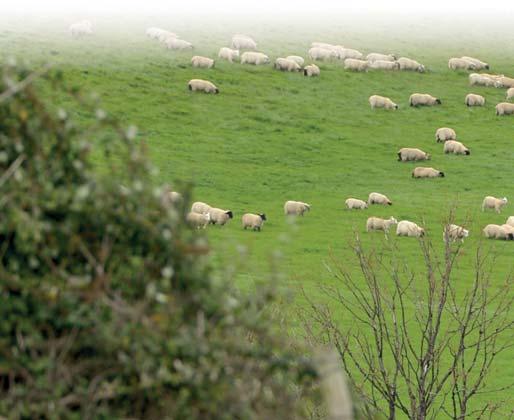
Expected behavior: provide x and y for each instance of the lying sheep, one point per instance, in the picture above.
(406, 154)
(423, 99)
(284, 64)
(479, 65)
(220, 216)
(255, 58)
(424, 172)
(497, 232)
(321, 54)
(198, 221)
(510, 93)
(504, 108)
(243, 42)
(178, 44)
(355, 203)
(409, 64)
(297, 59)
(444, 134)
(474, 100)
(407, 228)
(312, 70)
(200, 208)
(377, 101)
(228, 54)
(355, 65)
(376, 223)
(372, 57)
(253, 221)
(453, 233)
(456, 147)
(384, 65)
(78, 29)
(460, 64)
(377, 198)
(510, 221)
(202, 86)
(202, 62)
(491, 202)
(296, 208)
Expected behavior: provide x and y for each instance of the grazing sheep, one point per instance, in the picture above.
(487, 80)
(177, 44)
(510, 93)
(284, 64)
(297, 59)
(376, 223)
(479, 65)
(377, 101)
(424, 172)
(202, 62)
(321, 54)
(372, 57)
(243, 42)
(198, 221)
(407, 228)
(377, 198)
(355, 65)
(461, 64)
(509, 229)
(491, 202)
(355, 203)
(384, 65)
(78, 29)
(296, 208)
(202, 86)
(228, 54)
(344, 53)
(220, 216)
(504, 108)
(510, 221)
(160, 34)
(255, 58)
(409, 64)
(312, 70)
(322, 45)
(406, 154)
(497, 232)
(453, 233)
(474, 100)
(505, 82)
(200, 208)
(455, 147)
(253, 221)
(444, 134)
(423, 99)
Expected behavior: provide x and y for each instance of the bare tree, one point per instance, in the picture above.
(409, 339)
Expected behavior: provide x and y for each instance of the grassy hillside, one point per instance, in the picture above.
(271, 136)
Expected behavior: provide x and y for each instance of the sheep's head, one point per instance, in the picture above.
(505, 201)
(421, 68)
(438, 101)
(229, 214)
(441, 174)
(393, 220)
(262, 216)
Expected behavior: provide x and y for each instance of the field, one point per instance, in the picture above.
(271, 136)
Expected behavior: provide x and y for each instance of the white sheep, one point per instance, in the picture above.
(253, 221)
(444, 134)
(321, 54)
(243, 42)
(228, 54)
(78, 29)
(377, 198)
(372, 57)
(510, 221)
(312, 70)
(407, 228)
(461, 64)
(491, 202)
(202, 86)
(454, 232)
(296, 208)
(220, 216)
(355, 203)
(255, 58)
(473, 99)
(483, 79)
(297, 59)
(177, 44)
(493, 231)
(284, 64)
(504, 108)
(479, 65)
(377, 101)
(355, 65)
(423, 99)
(409, 64)
(406, 154)
(200, 207)
(510, 93)
(424, 172)
(384, 65)
(202, 62)
(455, 147)
(504, 82)
(198, 221)
(376, 223)
(344, 53)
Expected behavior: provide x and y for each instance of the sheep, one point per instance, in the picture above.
(253, 221)
(377, 198)
(202, 86)
(81, 28)
(497, 232)
(474, 100)
(296, 208)
(284, 64)
(178, 44)
(453, 232)
(494, 203)
(312, 70)
(444, 133)
(355, 203)
(476, 79)
(198, 221)
(424, 172)
(377, 101)
(505, 82)
(409, 64)
(321, 54)
(160, 34)
(384, 65)
(220, 216)
(344, 53)
(479, 65)
(509, 229)
(228, 54)
(461, 64)
(322, 45)
(407, 228)
(355, 65)
(200, 207)
(243, 42)
(510, 221)
(455, 147)
(417, 99)
(372, 57)
(255, 58)
(376, 223)
(297, 59)
(510, 93)
(406, 154)
(175, 197)
(202, 62)
(504, 108)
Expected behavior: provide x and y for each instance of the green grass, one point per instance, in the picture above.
(269, 137)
